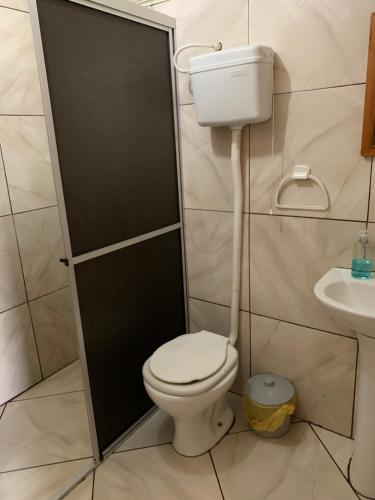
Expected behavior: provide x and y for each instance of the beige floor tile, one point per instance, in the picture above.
(158, 429)
(341, 448)
(156, 474)
(4, 197)
(69, 379)
(83, 491)
(40, 483)
(44, 431)
(294, 467)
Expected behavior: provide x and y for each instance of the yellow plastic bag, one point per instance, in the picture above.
(267, 418)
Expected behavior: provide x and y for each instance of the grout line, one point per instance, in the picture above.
(34, 209)
(319, 88)
(21, 263)
(45, 465)
(45, 396)
(214, 303)
(46, 295)
(93, 484)
(305, 326)
(217, 477)
(2, 413)
(333, 460)
(326, 429)
(17, 10)
(116, 452)
(362, 221)
(49, 376)
(18, 114)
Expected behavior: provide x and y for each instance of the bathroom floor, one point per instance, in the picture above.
(36, 460)
(308, 464)
(44, 437)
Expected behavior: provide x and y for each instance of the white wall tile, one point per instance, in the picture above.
(12, 288)
(209, 256)
(206, 165)
(321, 129)
(321, 367)
(205, 21)
(27, 162)
(318, 43)
(216, 319)
(15, 4)
(19, 366)
(19, 83)
(288, 256)
(4, 197)
(39, 236)
(55, 330)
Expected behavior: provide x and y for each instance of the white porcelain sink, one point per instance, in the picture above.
(351, 302)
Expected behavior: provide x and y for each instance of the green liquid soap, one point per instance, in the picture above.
(361, 268)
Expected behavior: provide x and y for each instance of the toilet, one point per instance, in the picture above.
(188, 378)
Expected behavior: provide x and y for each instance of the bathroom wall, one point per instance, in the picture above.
(321, 55)
(37, 334)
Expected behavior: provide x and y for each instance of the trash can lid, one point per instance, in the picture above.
(269, 389)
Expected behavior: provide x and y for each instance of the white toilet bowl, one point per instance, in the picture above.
(189, 378)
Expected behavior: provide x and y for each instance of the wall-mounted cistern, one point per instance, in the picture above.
(351, 301)
(189, 377)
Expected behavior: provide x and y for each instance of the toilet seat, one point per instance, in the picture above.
(189, 358)
(193, 388)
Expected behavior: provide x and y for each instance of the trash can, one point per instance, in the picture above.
(269, 401)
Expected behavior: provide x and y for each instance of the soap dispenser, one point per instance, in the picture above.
(361, 263)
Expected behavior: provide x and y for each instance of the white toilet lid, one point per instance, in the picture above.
(189, 358)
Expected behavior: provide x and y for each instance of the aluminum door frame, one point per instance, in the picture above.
(133, 12)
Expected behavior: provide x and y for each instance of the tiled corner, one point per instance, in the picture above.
(12, 288)
(321, 129)
(206, 165)
(69, 379)
(44, 431)
(4, 196)
(156, 473)
(27, 162)
(39, 236)
(317, 44)
(55, 331)
(216, 319)
(40, 483)
(19, 83)
(205, 21)
(288, 256)
(209, 256)
(157, 429)
(339, 447)
(321, 367)
(19, 367)
(293, 467)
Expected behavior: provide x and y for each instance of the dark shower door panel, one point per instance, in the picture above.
(111, 95)
(131, 301)
(111, 119)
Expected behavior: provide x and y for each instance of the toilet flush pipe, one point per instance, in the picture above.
(237, 233)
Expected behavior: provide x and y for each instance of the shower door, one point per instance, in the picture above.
(110, 102)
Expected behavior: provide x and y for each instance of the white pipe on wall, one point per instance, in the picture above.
(237, 233)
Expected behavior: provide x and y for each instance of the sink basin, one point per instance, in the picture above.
(351, 301)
